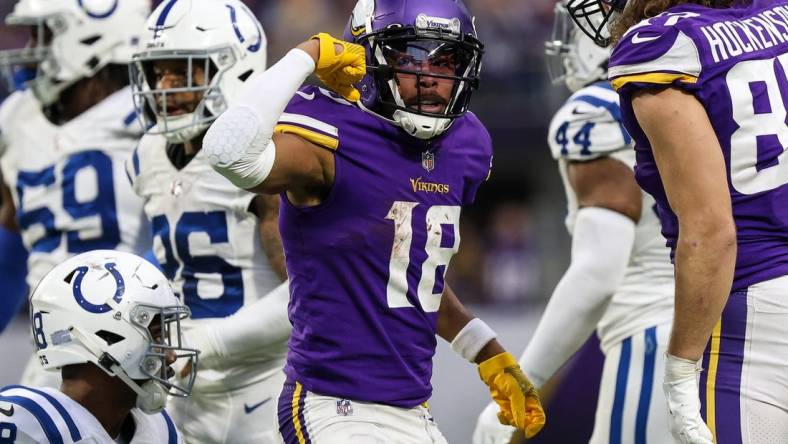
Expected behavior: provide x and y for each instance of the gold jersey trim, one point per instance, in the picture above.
(312, 136)
(659, 78)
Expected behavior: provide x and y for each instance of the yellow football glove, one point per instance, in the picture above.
(513, 392)
(340, 71)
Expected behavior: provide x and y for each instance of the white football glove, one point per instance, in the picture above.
(489, 429)
(681, 392)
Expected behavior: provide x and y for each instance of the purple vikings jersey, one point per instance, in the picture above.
(734, 61)
(367, 265)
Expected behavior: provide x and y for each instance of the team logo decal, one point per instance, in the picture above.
(92, 9)
(428, 161)
(87, 305)
(344, 407)
(234, 18)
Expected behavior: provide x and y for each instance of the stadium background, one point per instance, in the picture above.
(514, 243)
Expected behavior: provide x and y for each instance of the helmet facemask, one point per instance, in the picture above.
(184, 109)
(423, 78)
(23, 67)
(594, 16)
(153, 378)
(571, 57)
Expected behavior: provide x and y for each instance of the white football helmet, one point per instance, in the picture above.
(572, 57)
(117, 311)
(223, 37)
(74, 40)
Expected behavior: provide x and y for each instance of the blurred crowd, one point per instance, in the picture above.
(514, 244)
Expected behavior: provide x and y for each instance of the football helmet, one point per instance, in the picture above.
(435, 38)
(117, 311)
(572, 58)
(71, 40)
(222, 37)
(594, 16)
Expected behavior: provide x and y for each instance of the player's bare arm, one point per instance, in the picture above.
(453, 316)
(7, 209)
(266, 208)
(517, 398)
(606, 183)
(693, 171)
(692, 168)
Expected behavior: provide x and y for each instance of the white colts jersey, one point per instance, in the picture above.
(588, 127)
(45, 415)
(208, 244)
(68, 182)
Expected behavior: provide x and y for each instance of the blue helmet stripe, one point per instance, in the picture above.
(164, 13)
(234, 19)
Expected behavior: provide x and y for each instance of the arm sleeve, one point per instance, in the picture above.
(236, 143)
(583, 293)
(251, 328)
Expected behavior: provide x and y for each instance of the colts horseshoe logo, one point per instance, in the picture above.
(234, 18)
(93, 308)
(98, 14)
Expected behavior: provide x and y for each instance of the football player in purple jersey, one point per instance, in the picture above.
(373, 176)
(703, 93)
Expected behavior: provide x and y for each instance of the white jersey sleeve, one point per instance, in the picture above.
(588, 125)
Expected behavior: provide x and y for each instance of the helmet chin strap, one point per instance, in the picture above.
(47, 91)
(186, 129)
(151, 397)
(421, 127)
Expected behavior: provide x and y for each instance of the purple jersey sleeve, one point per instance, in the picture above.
(480, 154)
(657, 52)
(305, 116)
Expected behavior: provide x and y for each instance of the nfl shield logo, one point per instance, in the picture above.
(344, 407)
(428, 161)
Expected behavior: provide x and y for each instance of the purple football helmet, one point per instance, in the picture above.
(433, 39)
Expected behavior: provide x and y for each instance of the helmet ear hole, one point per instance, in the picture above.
(245, 75)
(109, 337)
(70, 276)
(90, 40)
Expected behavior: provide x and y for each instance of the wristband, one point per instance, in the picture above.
(472, 339)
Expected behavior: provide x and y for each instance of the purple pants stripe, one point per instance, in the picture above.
(720, 382)
(287, 424)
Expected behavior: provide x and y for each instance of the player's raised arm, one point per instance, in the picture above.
(241, 144)
(692, 169)
(475, 341)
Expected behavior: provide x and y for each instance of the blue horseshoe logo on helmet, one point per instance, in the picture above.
(234, 18)
(93, 308)
(98, 15)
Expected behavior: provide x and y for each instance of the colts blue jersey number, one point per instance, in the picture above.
(101, 206)
(214, 224)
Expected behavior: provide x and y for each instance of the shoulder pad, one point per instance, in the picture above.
(657, 51)
(173, 437)
(37, 414)
(588, 125)
(315, 114)
(13, 105)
